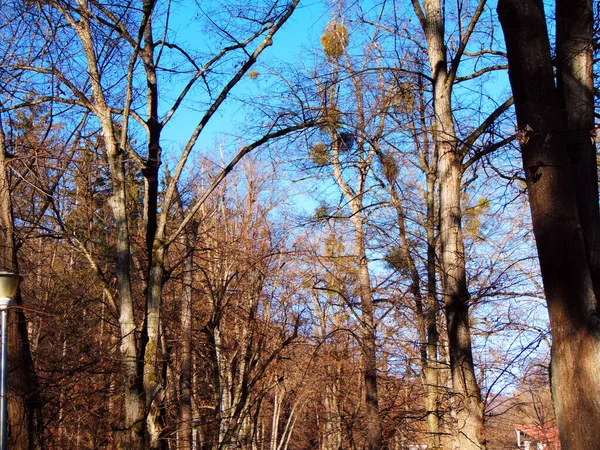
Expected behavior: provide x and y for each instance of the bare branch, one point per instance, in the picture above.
(419, 13)
(201, 71)
(465, 40)
(221, 176)
(488, 122)
(487, 150)
(480, 72)
(267, 42)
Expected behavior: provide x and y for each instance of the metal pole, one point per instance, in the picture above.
(4, 371)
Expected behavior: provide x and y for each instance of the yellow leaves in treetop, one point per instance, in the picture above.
(334, 40)
(253, 74)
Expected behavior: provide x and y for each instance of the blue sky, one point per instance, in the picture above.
(302, 31)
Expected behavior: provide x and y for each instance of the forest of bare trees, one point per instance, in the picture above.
(278, 225)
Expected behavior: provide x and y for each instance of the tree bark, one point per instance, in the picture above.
(24, 402)
(432, 378)
(563, 249)
(574, 60)
(468, 407)
(129, 352)
(154, 250)
(368, 338)
(185, 378)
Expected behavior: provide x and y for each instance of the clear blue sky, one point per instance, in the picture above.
(301, 32)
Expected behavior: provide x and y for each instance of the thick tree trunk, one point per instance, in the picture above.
(468, 404)
(554, 201)
(574, 59)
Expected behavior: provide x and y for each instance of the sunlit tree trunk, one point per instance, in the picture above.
(368, 342)
(432, 368)
(185, 377)
(468, 405)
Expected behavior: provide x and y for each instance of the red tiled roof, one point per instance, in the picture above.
(546, 434)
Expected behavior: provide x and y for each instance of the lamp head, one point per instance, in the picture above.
(9, 282)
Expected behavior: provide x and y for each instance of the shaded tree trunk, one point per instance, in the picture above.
(555, 156)
(24, 402)
(574, 59)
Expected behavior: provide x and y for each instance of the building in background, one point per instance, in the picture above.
(537, 437)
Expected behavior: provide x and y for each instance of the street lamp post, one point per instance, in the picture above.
(9, 282)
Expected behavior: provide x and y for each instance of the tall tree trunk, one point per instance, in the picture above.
(151, 380)
(368, 340)
(133, 425)
(134, 417)
(574, 59)
(185, 377)
(554, 199)
(154, 249)
(432, 402)
(24, 402)
(129, 351)
(468, 404)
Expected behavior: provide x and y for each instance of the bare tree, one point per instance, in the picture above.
(130, 38)
(469, 407)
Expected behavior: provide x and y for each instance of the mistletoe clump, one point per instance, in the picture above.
(334, 40)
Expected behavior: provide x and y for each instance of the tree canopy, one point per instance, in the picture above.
(292, 225)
